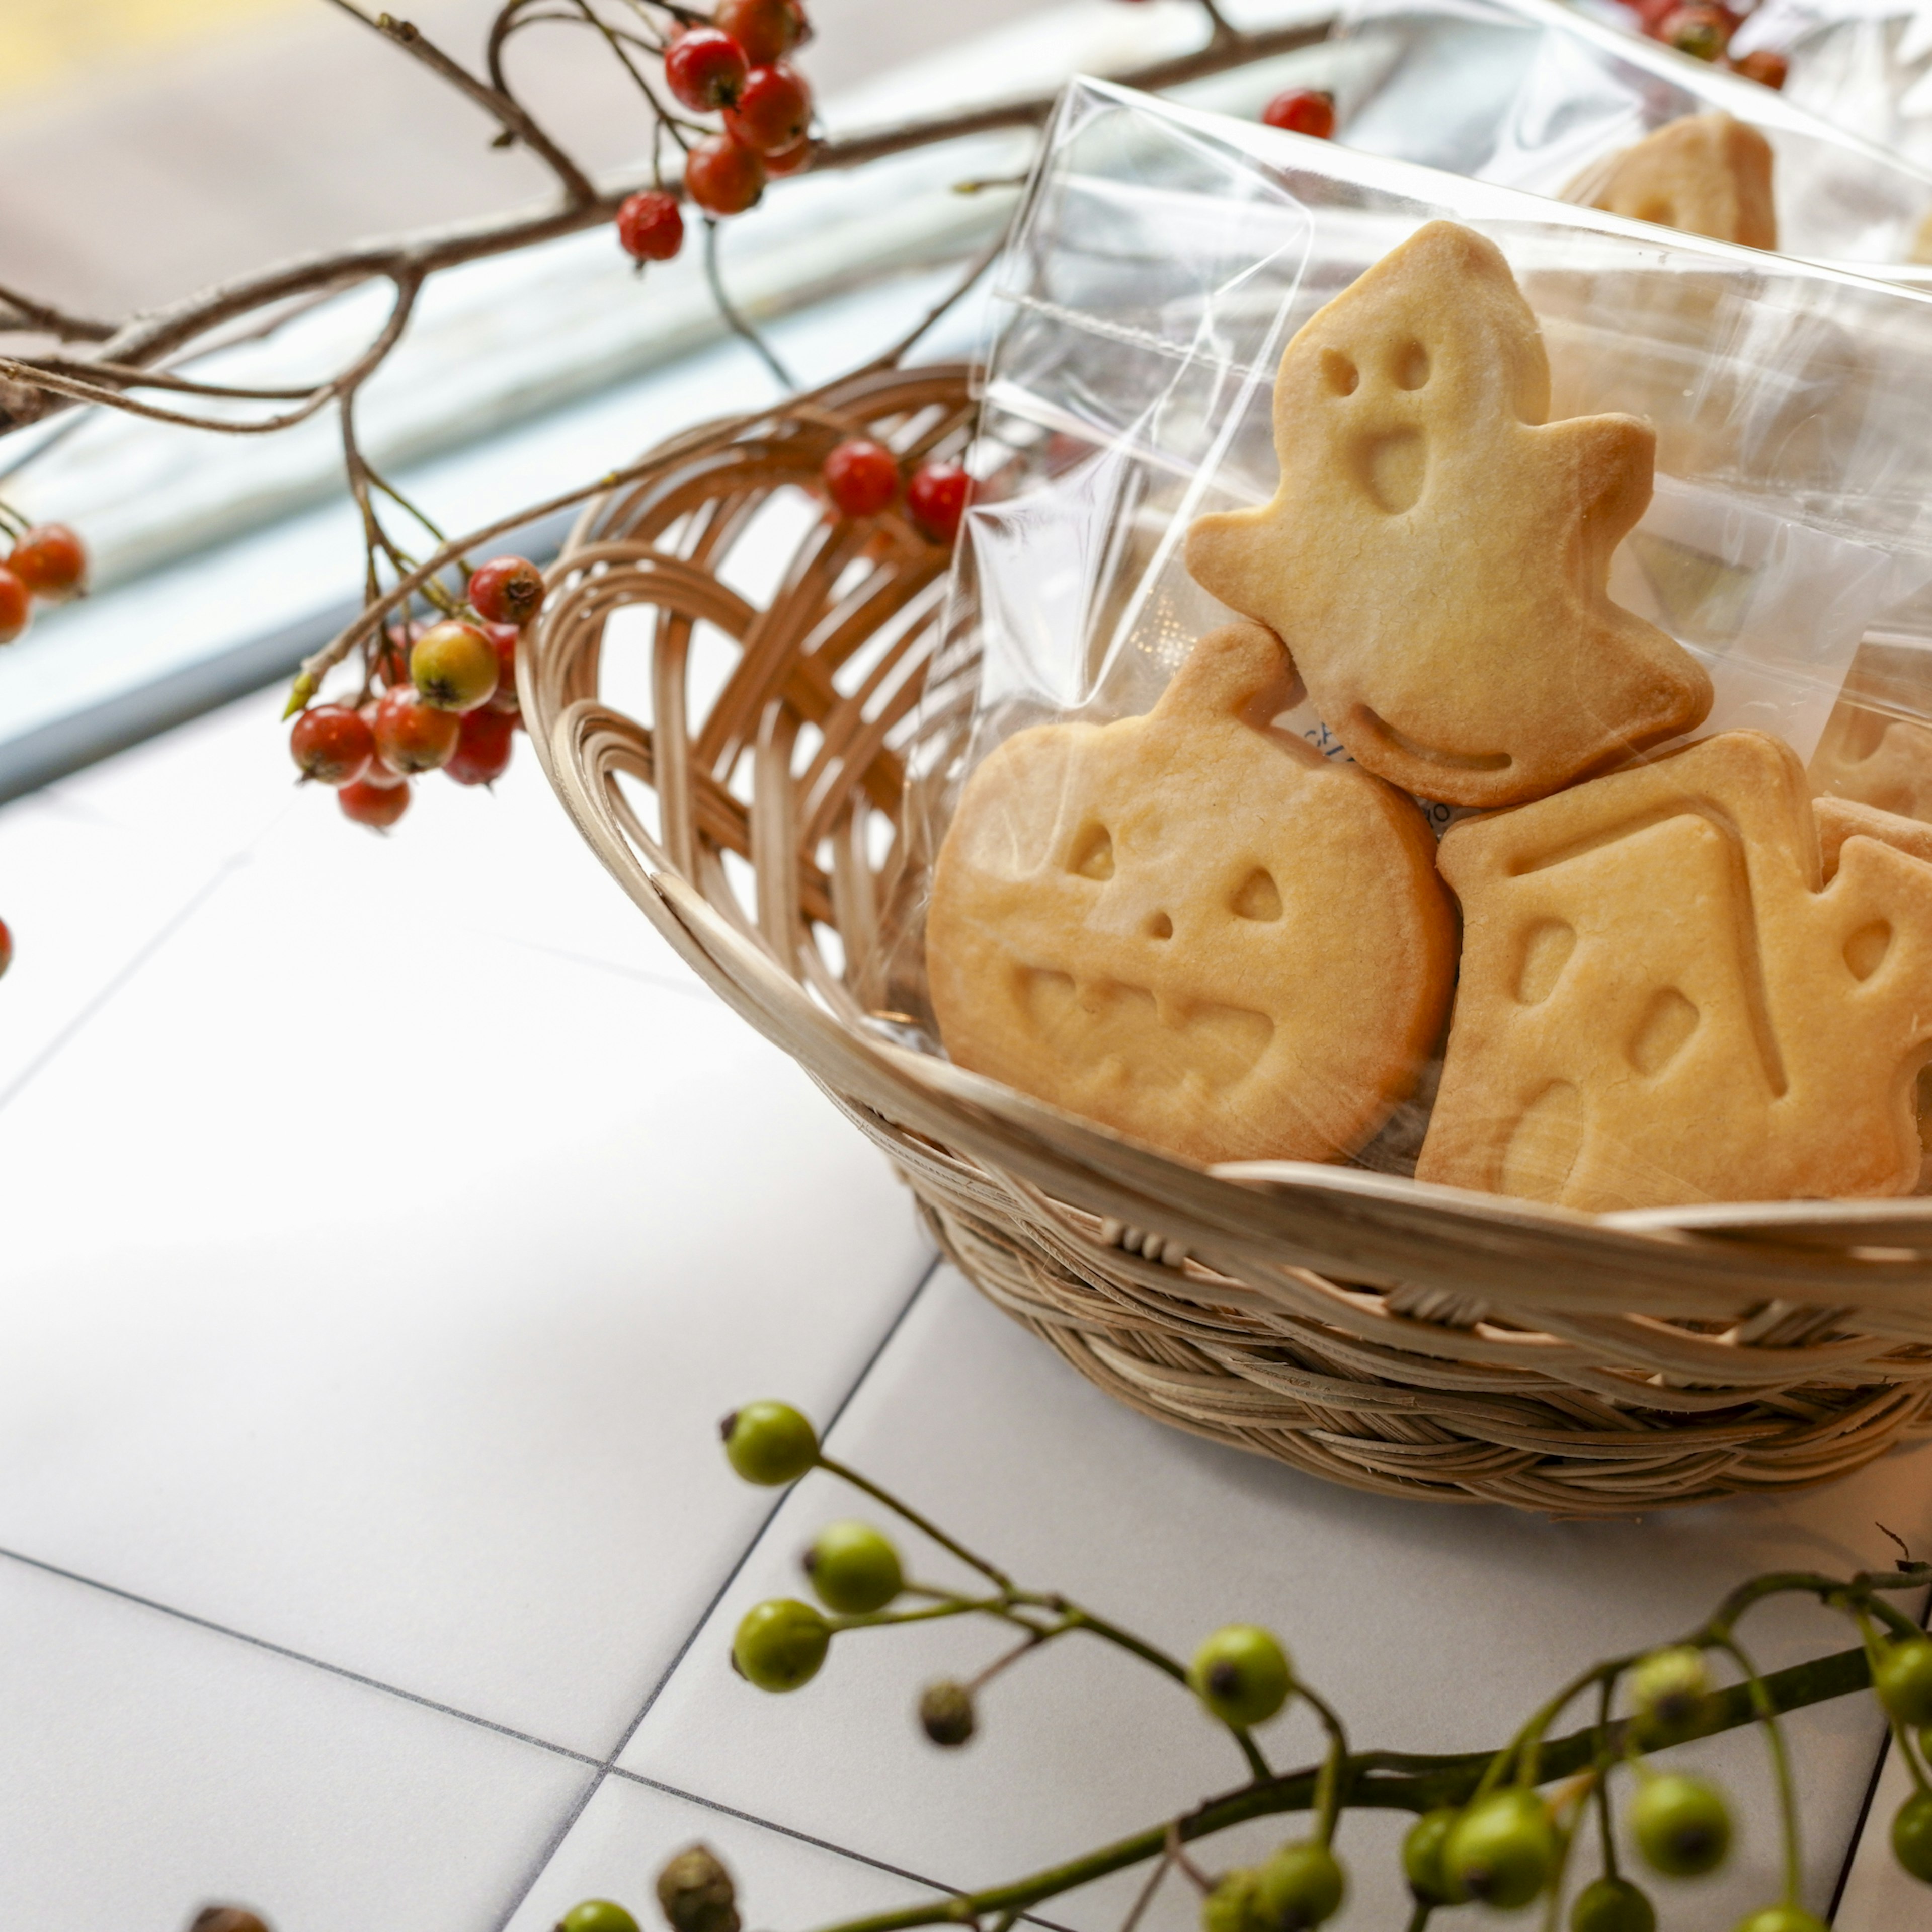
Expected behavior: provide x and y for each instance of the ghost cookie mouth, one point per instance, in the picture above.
(1100, 1024)
(1370, 723)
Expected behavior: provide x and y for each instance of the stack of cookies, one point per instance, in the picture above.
(1674, 977)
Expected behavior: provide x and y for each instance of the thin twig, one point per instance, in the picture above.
(146, 339)
(735, 321)
(509, 113)
(43, 319)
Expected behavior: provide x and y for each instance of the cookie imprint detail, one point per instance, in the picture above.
(1190, 927)
(1437, 556)
(1740, 1010)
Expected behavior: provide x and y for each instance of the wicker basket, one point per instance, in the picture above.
(1413, 1340)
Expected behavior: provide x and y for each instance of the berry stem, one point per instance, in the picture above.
(1381, 1781)
(1606, 1824)
(734, 320)
(907, 1513)
(1766, 1713)
(1329, 1791)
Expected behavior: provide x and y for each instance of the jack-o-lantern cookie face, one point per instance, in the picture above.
(1436, 557)
(1670, 992)
(1190, 927)
(1707, 174)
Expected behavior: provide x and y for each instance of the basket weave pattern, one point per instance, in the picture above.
(1412, 1340)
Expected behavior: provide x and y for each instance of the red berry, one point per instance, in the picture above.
(1701, 32)
(379, 806)
(379, 773)
(705, 69)
(453, 666)
(1303, 110)
(1762, 65)
(504, 637)
(332, 744)
(412, 737)
(1651, 14)
(767, 30)
(861, 476)
(650, 226)
(772, 111)
(51, 561)
(6, 946)
(16, 606)
(937, 497)
(482, 754)
(723, 176)
(790, 160)
(508, 590)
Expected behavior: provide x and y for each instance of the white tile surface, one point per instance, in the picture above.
(374, 1283)
(1432, 1628)
(1879, 1895)
(151, 1767)
(617, 1848)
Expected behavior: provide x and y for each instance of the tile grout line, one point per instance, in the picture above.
(806, 1838)
(229, 866)
(282, 1650)
(1857, 1839)
(663, 982)
(542, 1862)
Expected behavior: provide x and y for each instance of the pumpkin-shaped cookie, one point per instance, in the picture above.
(1437, 556)
(1191, 927)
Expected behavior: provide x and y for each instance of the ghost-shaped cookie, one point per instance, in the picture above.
(1674, 989)
(1190, 926)
(1706, 174)
(1437, 555)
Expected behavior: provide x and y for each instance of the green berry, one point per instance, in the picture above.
(1612, 1905)
(1502, 1850)
(1241, 1674)
(1782, 1919)
(945, 1713)
(696, 1893)
(1903, 1680)
(597, 1915)
(1911, 1836)
(781, 1644)
(769, 1442)
(1297, 1887)
(853, 1568)
(1422, 1856)
(1668, 1689)
(1229, 1906)
(1681, 1825)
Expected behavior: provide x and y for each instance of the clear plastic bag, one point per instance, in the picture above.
(1534, 94)
(1163, 262)
(1863, 65)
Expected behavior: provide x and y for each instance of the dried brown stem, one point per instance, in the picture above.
(407, 260)
(509, 112)
(43, 319)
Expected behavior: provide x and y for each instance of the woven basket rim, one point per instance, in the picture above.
(1390, 1333)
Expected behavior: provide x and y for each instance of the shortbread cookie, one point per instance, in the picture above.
(1673, 991)
(1190, 927)
(1922, 241)
(1436, 556)
(1708, 174)
(1873, 749)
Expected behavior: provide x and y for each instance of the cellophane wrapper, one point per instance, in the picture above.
(1163, 260)
(1535, 94)
(1864, 66)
